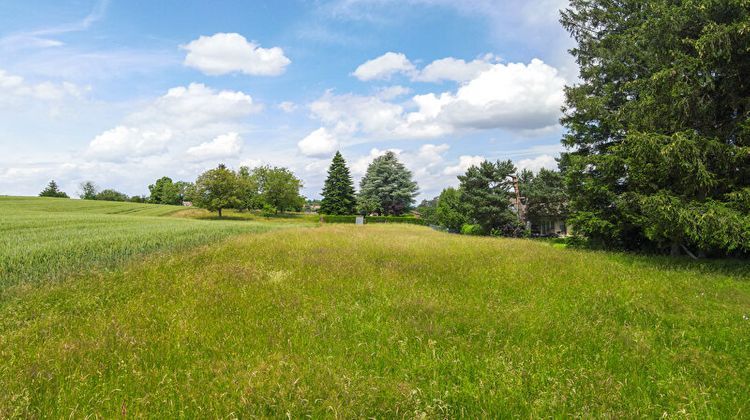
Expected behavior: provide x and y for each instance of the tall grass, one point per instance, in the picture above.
(381, 321)
(49, 238)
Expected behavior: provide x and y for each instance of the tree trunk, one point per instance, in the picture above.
(675, 249)
(219, 212)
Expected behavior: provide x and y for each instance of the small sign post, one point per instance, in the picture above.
(360, 220)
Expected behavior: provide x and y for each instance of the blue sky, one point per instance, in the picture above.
(123, 92)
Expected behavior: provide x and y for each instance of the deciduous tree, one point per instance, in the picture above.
(451, 212)
(164, 191)
(88, 190)
(216, 189)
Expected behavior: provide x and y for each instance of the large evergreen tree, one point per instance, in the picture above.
(659, 126)
(387, 187)
(338, 191)
(487, 191)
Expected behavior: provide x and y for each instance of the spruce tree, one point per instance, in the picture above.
(387, 187)
(53, 190)
(338, 191)
(659, 124)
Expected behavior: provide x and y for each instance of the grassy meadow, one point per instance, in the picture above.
(359, 321)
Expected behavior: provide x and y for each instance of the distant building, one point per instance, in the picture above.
(553, 225)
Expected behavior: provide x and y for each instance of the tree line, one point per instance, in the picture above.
(271, 189)
(493, 198)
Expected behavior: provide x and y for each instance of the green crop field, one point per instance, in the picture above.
(352, 321)
(46, 238)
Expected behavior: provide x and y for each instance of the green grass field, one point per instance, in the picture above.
(47, 238)
(364, 321)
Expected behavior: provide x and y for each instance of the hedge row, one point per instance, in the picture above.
(338, 219)
(373, 219)
(394, 219)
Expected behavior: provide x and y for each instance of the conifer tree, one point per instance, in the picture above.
(387, 187)
(487, 191)
(659, 124)
(53, 190)
(338, 191)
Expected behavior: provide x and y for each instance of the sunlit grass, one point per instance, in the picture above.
(382, 321)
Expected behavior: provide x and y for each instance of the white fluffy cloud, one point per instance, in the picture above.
(225, 53)
(182, 120)
(457, 70)
(537, 163)
(392, 92)
(121, 143)
(222, 146)
(383, 67)
(353, 113)
(319, 143)
(195, 106)
(449, 68)
(515, 96)
(464, 163)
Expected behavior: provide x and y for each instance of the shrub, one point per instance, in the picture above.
(329, 218)
(338, 219)
(395, 219)
(469, 229)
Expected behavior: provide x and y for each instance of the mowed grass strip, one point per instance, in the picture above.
(381, 321)
(48, 238)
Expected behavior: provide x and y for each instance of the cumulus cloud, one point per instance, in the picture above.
(383, 67)
(449, 68)
(319, 143)
(392, 92)
(464, 163)
(537, 163)
(457, 70)
(224, 53)
(515, 96)
(182, 120)
(354, 113)
(222, 146)
(195, 106)
(121, 143)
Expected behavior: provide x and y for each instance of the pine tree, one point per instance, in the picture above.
(53, 190)
(338, 191)
(487, 190)
(387, 187)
